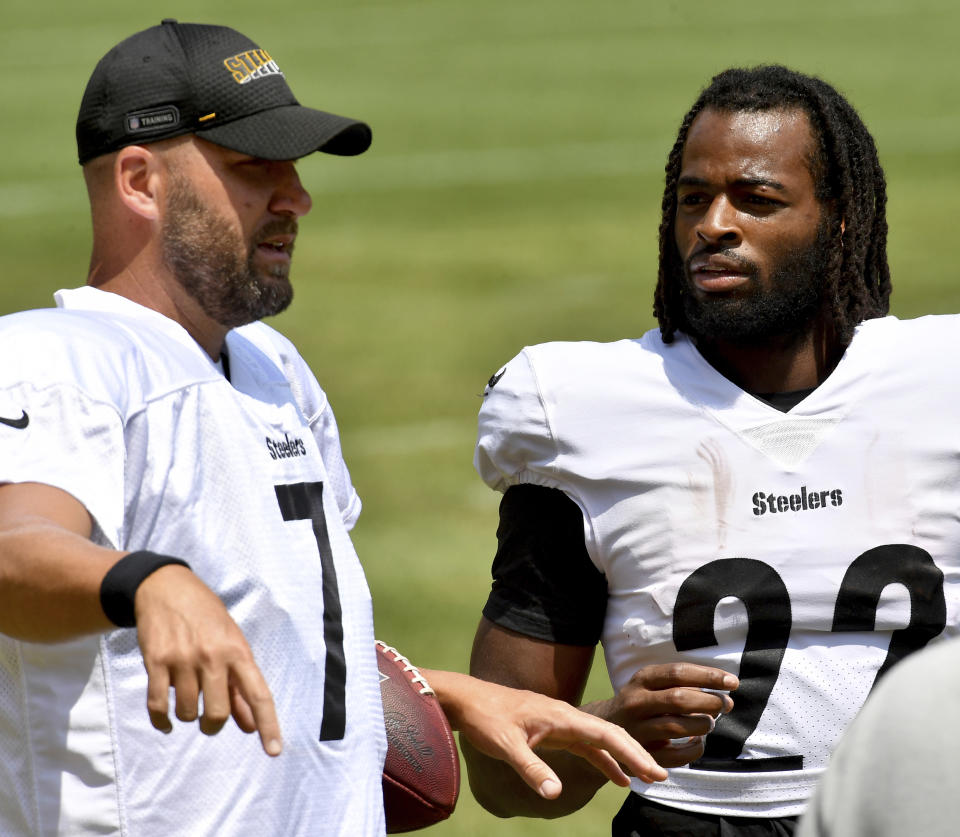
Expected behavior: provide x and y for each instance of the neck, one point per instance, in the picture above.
(159, 292)
(782, 364)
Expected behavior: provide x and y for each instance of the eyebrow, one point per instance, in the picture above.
(688, 180)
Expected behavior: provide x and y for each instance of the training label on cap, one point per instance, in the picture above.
(152, 120)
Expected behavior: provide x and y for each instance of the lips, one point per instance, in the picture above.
(716, 273)
(276, 239)
(278, 244)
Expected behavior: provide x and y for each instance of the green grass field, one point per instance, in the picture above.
(511, 196)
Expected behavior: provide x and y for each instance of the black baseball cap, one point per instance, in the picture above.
(191, 78)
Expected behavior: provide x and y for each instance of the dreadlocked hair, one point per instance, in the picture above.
(846, 173)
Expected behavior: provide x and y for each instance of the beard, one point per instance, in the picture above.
(210, 259)
(786, 308)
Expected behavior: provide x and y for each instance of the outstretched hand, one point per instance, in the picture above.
(190, 643)
(507, 724)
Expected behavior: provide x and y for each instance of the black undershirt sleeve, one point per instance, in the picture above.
(544, 584)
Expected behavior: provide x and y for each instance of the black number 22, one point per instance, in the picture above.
(304, 501)
(761, 590)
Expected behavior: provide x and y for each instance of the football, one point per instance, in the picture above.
(421, 776)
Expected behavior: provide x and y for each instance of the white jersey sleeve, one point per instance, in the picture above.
(73, 438)
(516, 443)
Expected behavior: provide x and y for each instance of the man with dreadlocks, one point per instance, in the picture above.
(744, 490)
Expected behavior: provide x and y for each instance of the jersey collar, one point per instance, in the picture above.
(88, 298)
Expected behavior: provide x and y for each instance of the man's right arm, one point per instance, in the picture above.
(50, 578)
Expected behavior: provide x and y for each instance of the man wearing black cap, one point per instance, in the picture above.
(169, 464)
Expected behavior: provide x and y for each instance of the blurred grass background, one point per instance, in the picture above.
(511, 196)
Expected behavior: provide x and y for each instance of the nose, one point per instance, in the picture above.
(289, 196)
(718, 225)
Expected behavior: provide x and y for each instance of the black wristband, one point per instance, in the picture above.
(119, 585)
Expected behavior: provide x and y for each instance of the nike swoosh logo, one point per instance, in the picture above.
(19, 423)
(494, 379)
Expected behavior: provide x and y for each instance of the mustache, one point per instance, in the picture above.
(727, 254)
(280, 226)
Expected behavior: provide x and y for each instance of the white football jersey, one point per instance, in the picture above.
(803, 551)
(245, 480)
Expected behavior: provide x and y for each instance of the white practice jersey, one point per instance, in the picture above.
(803, 551)
(118, 406)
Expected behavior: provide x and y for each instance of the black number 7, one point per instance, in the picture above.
(304, 501)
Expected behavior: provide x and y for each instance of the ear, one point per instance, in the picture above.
(137, 175)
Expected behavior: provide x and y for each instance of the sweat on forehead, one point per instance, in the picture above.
(763, 138)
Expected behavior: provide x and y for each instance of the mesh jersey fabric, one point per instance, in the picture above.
(891, 775)
(803, 551)
(127, 414)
